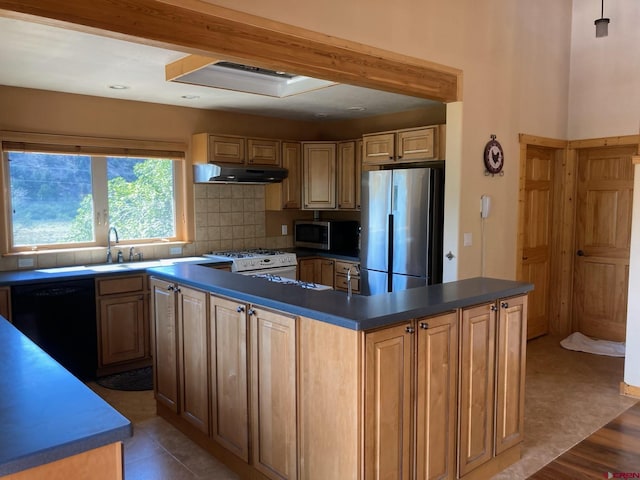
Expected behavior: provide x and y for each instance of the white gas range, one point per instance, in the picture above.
(272, 265)
(251, 262)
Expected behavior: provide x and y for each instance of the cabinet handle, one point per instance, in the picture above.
(410, 330)
(504, 304)
(494, 308)
(171, 288)
(177, 289)
(240, 308)
(424, 325)
(251, 311)
(390, 157)
(399, 157)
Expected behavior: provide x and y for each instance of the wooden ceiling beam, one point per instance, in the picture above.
(203, 29)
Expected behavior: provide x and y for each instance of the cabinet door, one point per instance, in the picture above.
(287, 194)
(123, 333)
(326, 272)
(378, 149)
(5, 302)
(358, 174)
(388, 405)
(416, 144)
(165, 359)
(436, 400)
(228, 375)
(307, 269)
(477, 373)
(226, 149)
(510, 372)
(273, 394)
(346, 188)
(319, 176)
(192, 343)
(263, 152)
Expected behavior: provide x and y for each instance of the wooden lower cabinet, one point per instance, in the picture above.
(388, 415)
(414, 363)
(5, 302)
(317, 270)
(123, 323)
(180, 351)
(436, 394)
(273, 394)
(228, 374)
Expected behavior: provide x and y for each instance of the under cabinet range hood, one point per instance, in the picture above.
(232, 173)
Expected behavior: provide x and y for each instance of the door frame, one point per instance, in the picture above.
(565, 185)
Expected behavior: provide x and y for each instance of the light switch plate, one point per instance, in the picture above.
(175, 251)
(284, 229)
(467, 239)
(25, 262)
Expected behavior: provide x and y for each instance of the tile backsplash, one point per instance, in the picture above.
(232, 217)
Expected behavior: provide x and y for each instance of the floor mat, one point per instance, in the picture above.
(582, 343)
(133, 380)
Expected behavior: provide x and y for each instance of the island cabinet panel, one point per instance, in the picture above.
(477, 373)
(165, 351)
(330, 401)
(273, 394)
(192, 360)
(228, 375)
(436, 393)
(510, 372)
(388, 403)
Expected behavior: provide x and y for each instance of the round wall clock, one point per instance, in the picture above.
(493, 156)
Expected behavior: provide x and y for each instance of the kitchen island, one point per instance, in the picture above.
(53, 426)
(283, 383)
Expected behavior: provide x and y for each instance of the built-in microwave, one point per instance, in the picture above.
(337, 236)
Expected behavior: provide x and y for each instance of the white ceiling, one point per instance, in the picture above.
(49, 58)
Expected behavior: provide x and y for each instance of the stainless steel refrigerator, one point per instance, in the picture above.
(401, 237)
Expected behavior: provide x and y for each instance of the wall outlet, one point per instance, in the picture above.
(25, 262)
(175, 251)
(284, 229)
(467, 239)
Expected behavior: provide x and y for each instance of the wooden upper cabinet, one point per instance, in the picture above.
(346, 166)
(416, 145)
(263, 152)
(407, 145)
(319, 176)
(226, 149)
(288, 193)
(379, 148)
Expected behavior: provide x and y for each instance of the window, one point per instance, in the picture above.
(59, 199)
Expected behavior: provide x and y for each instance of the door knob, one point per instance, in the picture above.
(580, 253)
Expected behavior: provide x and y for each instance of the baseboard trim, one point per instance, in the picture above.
(629, 390)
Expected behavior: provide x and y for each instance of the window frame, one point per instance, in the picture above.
(98, 149)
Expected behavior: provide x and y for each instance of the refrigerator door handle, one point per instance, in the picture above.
(390, 250)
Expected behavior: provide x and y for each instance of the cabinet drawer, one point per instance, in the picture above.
(128, 284)
(341, 283)
(343, 267)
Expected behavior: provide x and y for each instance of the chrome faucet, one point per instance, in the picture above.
(349, 287)
(133, 254)
(109, 256)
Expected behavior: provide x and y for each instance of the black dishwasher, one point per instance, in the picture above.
(61, 318)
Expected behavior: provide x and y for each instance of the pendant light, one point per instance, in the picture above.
(602, 24)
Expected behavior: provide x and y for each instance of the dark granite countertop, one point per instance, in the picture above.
(358, 312)
(46, 413)
(15, 277)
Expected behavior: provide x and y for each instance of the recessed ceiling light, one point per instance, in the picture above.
(357, 109)
(190, 97)
(118, 87)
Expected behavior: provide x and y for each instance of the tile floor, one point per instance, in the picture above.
(569, 395)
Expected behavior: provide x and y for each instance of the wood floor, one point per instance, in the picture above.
(611, 452)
